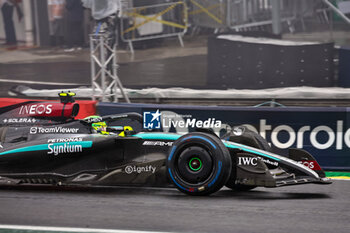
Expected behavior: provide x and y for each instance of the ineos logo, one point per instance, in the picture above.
(308, 164)
(35, 109)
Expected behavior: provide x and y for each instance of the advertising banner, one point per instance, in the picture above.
(324, 132)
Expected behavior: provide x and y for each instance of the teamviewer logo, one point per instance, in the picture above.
(33, 130)
(151, 120)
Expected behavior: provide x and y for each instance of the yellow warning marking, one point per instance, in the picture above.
(153, 18)
(195, 12)
(207, 12)
(159, 21)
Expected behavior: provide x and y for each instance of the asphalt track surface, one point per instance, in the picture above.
(304, 208)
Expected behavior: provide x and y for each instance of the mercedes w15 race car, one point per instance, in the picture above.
(42, 144)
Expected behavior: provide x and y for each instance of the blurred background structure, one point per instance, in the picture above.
(169, 17)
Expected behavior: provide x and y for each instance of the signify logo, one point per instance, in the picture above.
(154, 120)
(140, 169)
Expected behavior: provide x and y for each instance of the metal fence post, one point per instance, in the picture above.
(276, 17)
(93, 68)
(104, 77)
(103, 68)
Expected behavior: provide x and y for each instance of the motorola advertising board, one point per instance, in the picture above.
(324, 132)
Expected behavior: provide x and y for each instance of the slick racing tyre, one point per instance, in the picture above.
(199, 164)
(248, 138)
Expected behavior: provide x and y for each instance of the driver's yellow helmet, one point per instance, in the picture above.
(100, 127)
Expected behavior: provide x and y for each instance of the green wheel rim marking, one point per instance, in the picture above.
(200, 164)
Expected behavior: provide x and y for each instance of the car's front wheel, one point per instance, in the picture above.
(199, 164)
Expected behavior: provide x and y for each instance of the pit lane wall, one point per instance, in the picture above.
(324, 132)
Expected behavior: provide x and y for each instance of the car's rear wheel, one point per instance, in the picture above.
(199, 164)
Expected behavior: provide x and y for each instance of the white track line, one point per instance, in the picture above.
(70, 229)
(38, 82)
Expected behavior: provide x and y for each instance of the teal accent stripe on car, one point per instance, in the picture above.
(251, 151)
(26, 149)
(158, 136)
(170, 136)
(84, 144)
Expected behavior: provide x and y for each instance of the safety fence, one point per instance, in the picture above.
(153, 22)
(241, 14)
(251, 14)
(173, 18)
(255, 13)
(208, 13)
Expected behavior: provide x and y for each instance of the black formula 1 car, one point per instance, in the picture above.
(41, 143)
